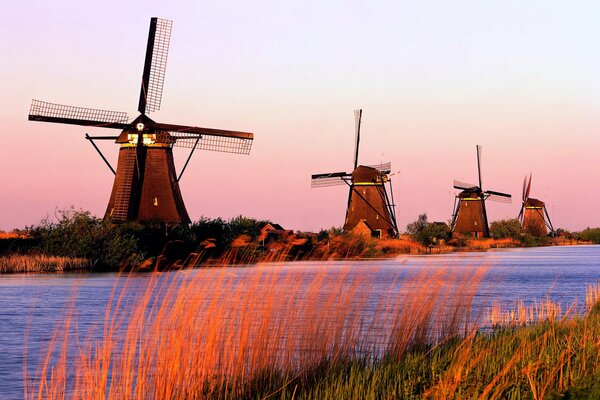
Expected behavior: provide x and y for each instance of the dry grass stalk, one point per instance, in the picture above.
(219, 335)
(522, 314)
(490, 243)
(592, 296)
(19, 263)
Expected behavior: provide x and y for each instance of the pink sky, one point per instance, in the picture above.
(433, 80)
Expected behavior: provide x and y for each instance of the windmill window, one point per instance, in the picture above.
(155, 201)
(364, 191)
(377, 216)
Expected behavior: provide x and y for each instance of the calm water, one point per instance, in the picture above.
(30, 305)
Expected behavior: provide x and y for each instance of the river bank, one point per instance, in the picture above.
(175, 254)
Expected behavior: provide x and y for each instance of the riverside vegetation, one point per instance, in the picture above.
(268, 335)
(79, 240)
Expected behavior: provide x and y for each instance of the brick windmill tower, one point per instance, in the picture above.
(146, 185)
(470, 216)
(534, 215)
(369, 206)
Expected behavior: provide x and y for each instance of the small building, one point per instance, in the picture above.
(272, 232)
(363, 228)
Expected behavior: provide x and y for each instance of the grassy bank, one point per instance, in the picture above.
(19, 263)
(301, 336)
(75, 234)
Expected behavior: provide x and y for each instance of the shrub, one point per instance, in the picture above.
(590, 234)
(506, 228)
(428, 233)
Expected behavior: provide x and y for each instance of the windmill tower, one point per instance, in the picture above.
(534, 215)
(368, 206)
(146, 185)
(470, 216)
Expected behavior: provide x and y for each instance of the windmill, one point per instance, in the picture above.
(369, 206)
(470, 217)
(534, 215)
(146, 185)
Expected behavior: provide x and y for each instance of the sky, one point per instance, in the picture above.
(434, 79)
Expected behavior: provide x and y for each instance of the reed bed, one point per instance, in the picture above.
(490, 243)
(19, 263)
(227, 335)
(521, 314)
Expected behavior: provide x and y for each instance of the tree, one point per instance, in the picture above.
(506, 228)
(590, 234)
(428, 233)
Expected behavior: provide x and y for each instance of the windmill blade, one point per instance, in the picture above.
(153, 77)
(523, 196)
(62, 114)
(521, 212)
(330, 175)
(479, 149)
(357, 120)
(203, 131)
(528, 186)
(463, 185)
(499, 199)
(498, 196)
(384, 168)
(209, 142)
(329, 179)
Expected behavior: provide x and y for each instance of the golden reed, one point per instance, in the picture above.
(215, 333)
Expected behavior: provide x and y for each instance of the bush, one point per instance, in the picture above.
(590, 234)
(78, 234)
(506, 229)
(428, 233)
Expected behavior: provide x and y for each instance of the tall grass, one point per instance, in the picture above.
(16, 263)
(491, 243)
(233, 337)
(323, 335)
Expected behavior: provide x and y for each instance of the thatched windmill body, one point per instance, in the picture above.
(369, 206)
(146, 185)
(534, 215)
(470, 216)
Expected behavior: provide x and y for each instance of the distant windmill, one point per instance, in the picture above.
(533, 215)
(368, 203)
(470, 217)
(146, 185)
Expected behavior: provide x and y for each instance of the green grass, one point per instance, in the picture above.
(544, 360)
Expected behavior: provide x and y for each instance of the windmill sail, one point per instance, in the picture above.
(223, 144)
(329, 179)
(384, 168)
(479, 165)
(357, 121)
(153, 77)
(463, 185)
(59, 113)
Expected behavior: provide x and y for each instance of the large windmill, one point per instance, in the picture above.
(146, 185)
(533, 215)
(470, 217)
(368, 203)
